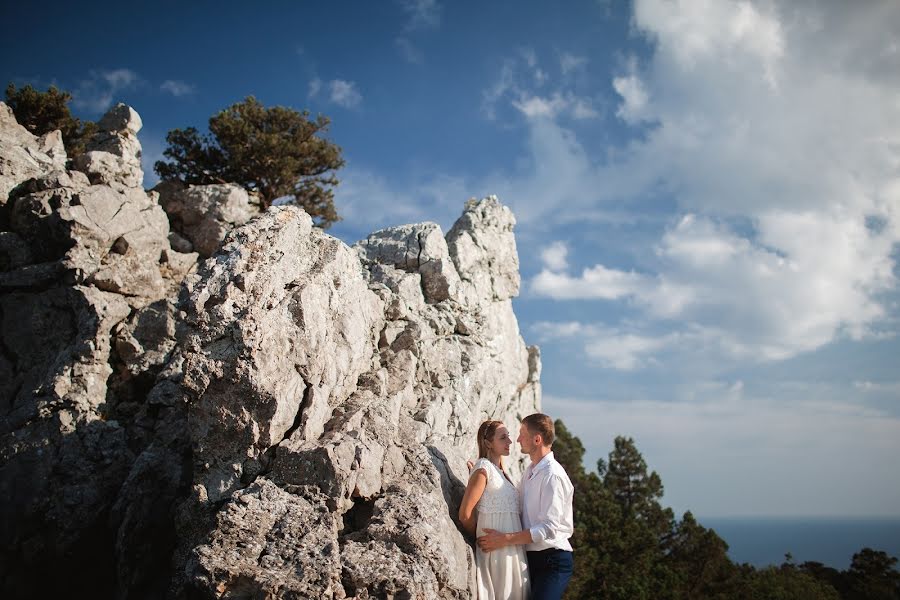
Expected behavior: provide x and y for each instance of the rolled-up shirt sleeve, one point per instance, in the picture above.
(553, 505)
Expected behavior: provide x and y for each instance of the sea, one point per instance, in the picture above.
(831, 541)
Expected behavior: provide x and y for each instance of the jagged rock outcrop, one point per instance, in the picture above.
(201, 215)
(304, 370)
(290, 419)
(23, 156)
(79, 262)
(113, 155)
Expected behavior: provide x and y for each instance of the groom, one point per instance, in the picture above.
(546, 500)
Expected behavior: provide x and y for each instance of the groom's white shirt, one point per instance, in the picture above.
(546, 495)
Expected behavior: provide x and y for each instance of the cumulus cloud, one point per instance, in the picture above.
(634, 98)
(698, 33)
(554, 256)
(779, 154)
(344, 93)
(340, 92)
(806, 279)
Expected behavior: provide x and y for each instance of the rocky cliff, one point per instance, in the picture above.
(274, 415)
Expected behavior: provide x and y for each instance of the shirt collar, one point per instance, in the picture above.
(541, 464)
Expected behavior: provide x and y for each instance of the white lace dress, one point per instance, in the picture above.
(501, 574)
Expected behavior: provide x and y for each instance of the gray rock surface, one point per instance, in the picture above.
(113, 155)
(83, 268)
(23, 155)
(386, 444)
(202, 215)
(289, 418)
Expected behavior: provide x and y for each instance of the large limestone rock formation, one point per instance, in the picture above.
(288, 418)
(81, 267)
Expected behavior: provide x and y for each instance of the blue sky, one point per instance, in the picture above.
(708, 196)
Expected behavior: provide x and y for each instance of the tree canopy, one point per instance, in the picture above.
(629, 547)
(274, 151)
(43, 112)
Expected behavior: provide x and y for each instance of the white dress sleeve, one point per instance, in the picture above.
(483, 464)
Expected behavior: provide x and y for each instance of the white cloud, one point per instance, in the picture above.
(315, 86)
(778, 141)
(623, 348)
(595, 283)
(344, 93)
(535, 107)
(555, 105)
(177, 88)
(492, 95)
(768, 253)
(119, 78)
(634, 98)
(626, 352)
(422, 14)
(771, 299)
(340, 92)
(696, 33)
(101, 88)
(518, 77)
(554, 256)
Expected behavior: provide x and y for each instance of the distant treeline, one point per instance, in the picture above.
(629, 547)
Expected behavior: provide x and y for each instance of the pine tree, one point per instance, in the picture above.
(43, 112)
(276, 152)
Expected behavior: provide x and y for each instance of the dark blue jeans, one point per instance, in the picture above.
(550, 571)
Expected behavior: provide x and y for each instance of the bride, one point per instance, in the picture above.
(501, 574)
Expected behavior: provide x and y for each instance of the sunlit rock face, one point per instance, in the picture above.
(289, 417)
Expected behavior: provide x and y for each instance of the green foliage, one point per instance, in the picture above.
(873, 576)
(629, 547)
(782, 583)
(275, 152)
(43, 112)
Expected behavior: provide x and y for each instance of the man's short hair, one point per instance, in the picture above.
(541, 424)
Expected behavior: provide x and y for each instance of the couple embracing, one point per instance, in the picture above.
(522, 531)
